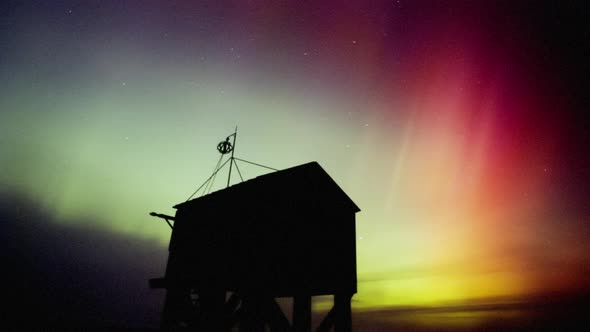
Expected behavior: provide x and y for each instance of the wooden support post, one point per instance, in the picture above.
(275, 317)
(343, 315)
(302, 313)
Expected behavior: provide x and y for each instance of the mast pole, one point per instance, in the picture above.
(231, 159)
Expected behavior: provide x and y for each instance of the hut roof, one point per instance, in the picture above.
(297, 185)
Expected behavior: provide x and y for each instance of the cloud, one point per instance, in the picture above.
(67, 276)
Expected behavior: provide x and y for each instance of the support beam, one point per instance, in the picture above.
(275, 317)
(327, 322)
(234, 318)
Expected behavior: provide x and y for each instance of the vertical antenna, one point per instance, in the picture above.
(231, 159)
(225, 147)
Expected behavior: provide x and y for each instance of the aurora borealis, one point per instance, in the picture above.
(457, 127)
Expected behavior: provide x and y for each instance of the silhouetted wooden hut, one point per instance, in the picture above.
(290, 233)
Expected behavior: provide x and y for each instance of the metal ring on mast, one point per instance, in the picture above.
(225, 147)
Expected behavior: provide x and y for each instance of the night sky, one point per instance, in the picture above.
(458, 127)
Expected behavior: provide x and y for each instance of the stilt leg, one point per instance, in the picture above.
(302, 313)
(343, 316)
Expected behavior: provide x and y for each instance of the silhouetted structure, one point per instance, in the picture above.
(290, 233)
